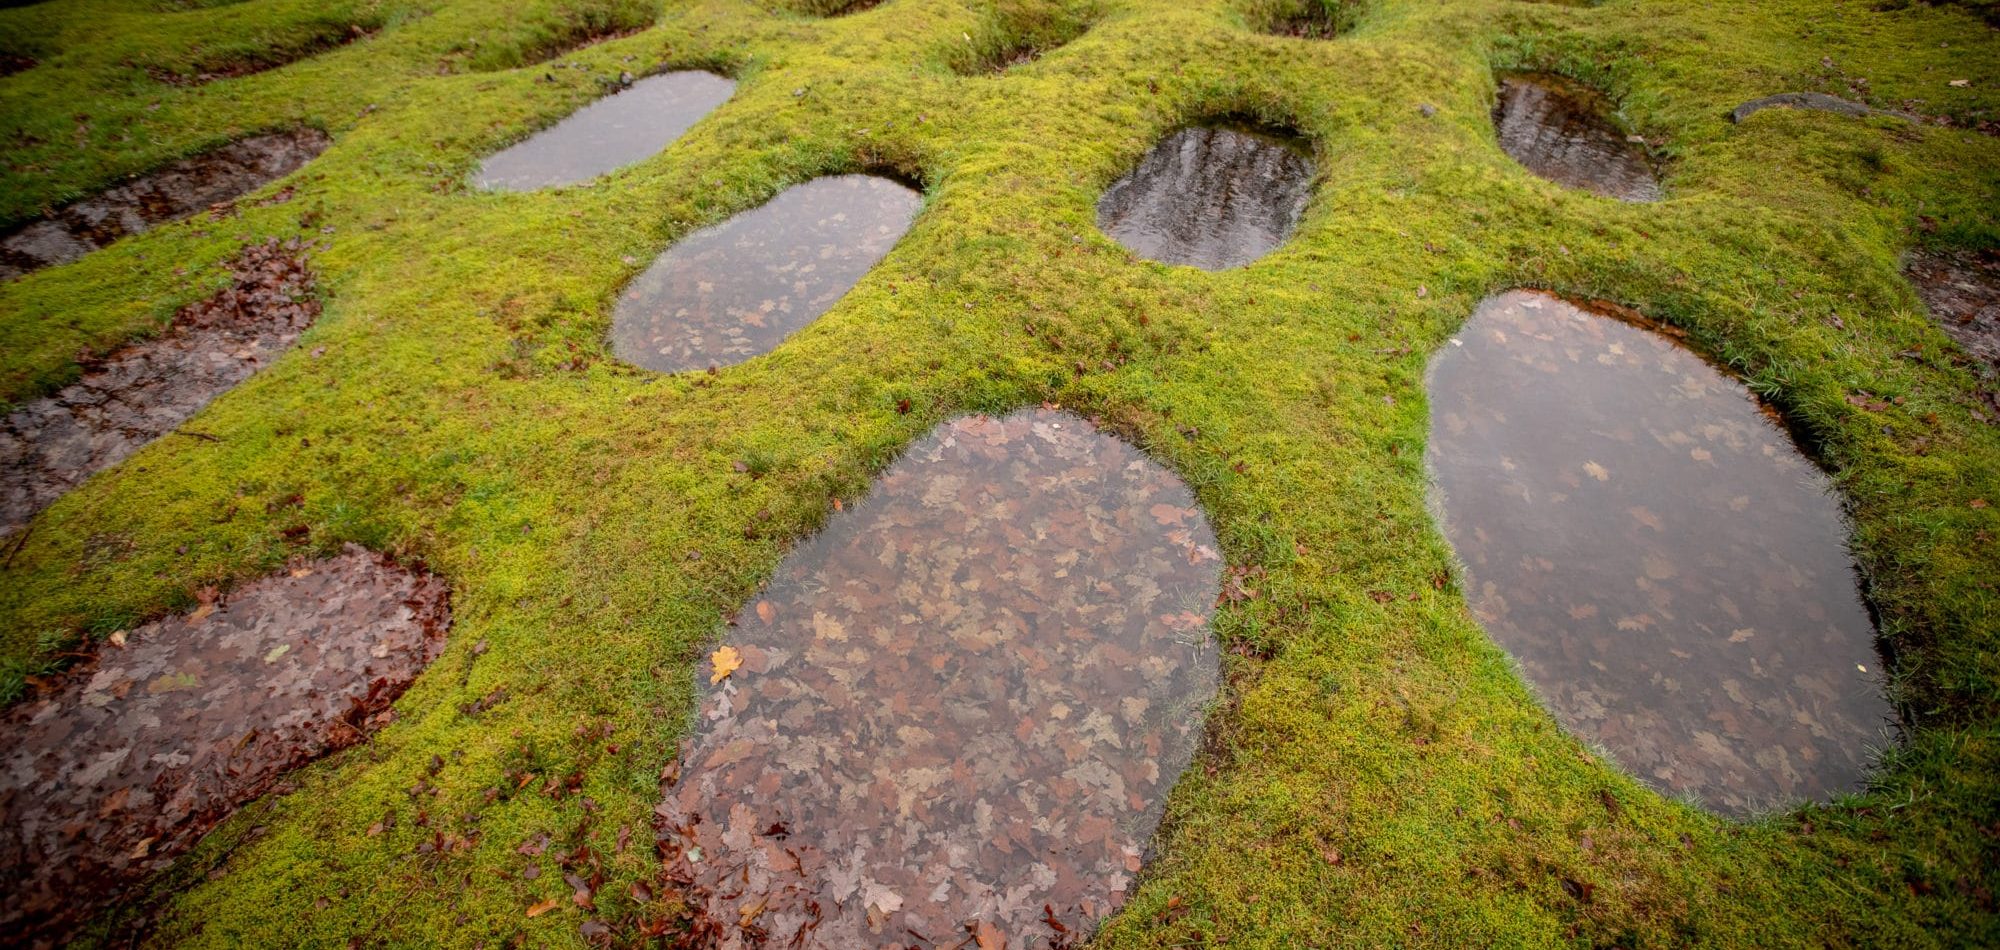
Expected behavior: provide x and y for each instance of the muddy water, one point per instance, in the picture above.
(1559, 130)
(733, 291)
(116, 772)
(1668, 569)
(611, 133)
(1210, 196)
(1962, 291)
(964, 700)
(148, 389)
(172, 193)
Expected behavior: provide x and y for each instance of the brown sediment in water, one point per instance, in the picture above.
(147, 389)
(172, 193)
(736, 290)
(1212, 196)
(119, 767)
(961, 705)
(1560, 131)
(625, 127)
(1961, 289)
(1668, 569)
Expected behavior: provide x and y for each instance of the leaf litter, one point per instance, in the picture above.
(959, 708)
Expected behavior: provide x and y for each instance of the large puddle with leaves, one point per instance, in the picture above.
(172, 193)
(124, 765)
(1560, 130)
(960, 707)
(147, 389)
(628, 126)
(736, 290)
(1669, 570)
(1214, 197)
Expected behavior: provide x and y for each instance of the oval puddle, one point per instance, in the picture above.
(625, 127)
(965, 699)
(172, 193)
(1213, 196)
(1559, 130)
(735, 290)
(1669, 570)
(147, 389)
(125, 765)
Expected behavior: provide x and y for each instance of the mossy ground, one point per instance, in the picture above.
(1378, 773)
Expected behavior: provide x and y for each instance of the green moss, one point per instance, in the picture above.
(457, 403)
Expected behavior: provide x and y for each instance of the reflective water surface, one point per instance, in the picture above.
(1559, 130)
(961, 705)
(172, 193)
(626, 127)
(736, 290)
(1210, 196)
(1668, 569)
(124, 765)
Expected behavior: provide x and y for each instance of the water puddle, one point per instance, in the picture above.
(1560, 130)
(1670, 572)
(736, 290)
(146, 390)
(172, 193)
(1212, 196)
(1962, 291)
(961, 706)
(625, 127)
(124, 765)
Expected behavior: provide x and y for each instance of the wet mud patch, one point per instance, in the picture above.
(1309, 19)
(736, 290)
(1668, 569)
(172, 193)
(1962, 291)
(1211, 196)
(120, 767)
(11, 64)
(954, 715)
(1562, 131)
(319, 38)
(823, 8)
(628, 126)
(146, 390)
(563, 31)
(1019, 33)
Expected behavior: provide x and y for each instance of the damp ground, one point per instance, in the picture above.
(1375, 769)
(1962, 291)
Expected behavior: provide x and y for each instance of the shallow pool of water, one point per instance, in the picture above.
(962, 702)
(1213, 197)
(736, 290)
(1669, 570)
(629, 126)
(1560, 131)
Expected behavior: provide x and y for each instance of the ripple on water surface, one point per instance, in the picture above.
(1670, 572)
(1214, 197)
(733, 291)
(1559, 130)
(965, 699)
(618, 130)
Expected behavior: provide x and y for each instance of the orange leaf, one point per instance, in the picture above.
(726, 661)
(544, 907)
(765, 611)
(989, 937)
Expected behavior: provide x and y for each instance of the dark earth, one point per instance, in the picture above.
(1560, 130)
(618, 130)
(1213, 197)
(960, 707)
(1962, 291)
(147, 389)
(172, 193)
(727, 293)
(119, 767)
(1670, 572)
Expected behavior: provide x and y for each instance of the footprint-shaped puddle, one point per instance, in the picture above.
(963, 701)
(1212, 196)
(1669, 570)
(628, 126)
(736, 290)
(1560, 130)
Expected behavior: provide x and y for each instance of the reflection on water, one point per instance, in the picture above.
(1558, 130)
(1669, 570)
(124, 766)
(733, 291)
(963, 702)
(1212, 197)
(609, 134)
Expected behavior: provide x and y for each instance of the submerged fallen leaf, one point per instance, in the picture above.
(726, 661)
